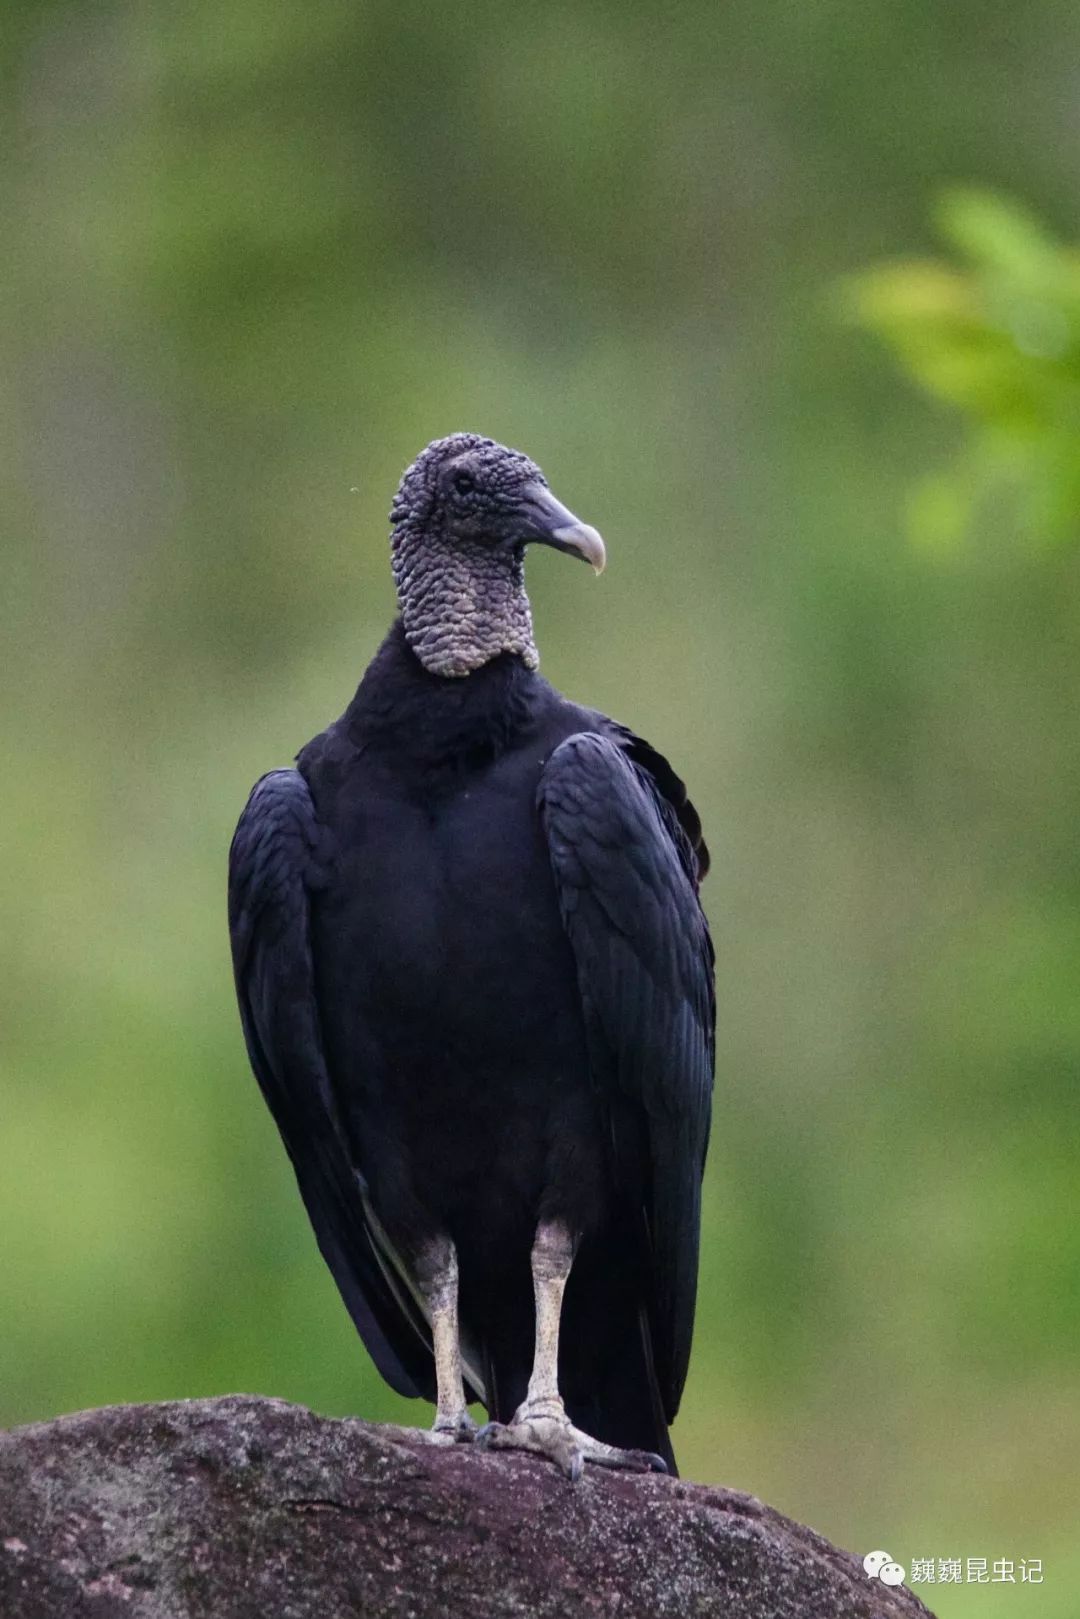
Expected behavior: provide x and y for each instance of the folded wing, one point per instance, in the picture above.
(276, 863)
(626, 869)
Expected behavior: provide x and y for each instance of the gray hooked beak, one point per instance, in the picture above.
(548, 522)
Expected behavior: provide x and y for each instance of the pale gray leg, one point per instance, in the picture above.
(540, 1423)
(552, 1257)
(437, 1280)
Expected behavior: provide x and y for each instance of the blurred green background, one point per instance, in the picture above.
(255, 257)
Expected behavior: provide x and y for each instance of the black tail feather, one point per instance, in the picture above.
(625, 1408)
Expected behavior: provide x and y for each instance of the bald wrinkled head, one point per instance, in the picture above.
(463, 514)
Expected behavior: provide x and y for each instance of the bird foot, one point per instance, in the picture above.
(544, 1428)
(450, 1429)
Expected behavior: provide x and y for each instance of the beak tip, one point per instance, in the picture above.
(583, 539)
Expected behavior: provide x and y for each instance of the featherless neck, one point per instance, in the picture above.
(462, 603)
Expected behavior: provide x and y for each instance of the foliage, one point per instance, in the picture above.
(998, 338)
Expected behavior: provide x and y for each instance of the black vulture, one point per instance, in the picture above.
(476, 986)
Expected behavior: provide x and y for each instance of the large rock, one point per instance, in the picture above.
(243, 1506)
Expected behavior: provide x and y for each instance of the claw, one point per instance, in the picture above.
(451, 1430)
(556, 1438)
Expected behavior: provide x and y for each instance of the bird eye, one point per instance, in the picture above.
(464, 483)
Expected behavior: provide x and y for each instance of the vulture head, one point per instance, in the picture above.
(461, 519)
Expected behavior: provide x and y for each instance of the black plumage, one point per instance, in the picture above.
(476, 988)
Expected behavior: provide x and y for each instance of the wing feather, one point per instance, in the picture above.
(626, 863)
(276, 861)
